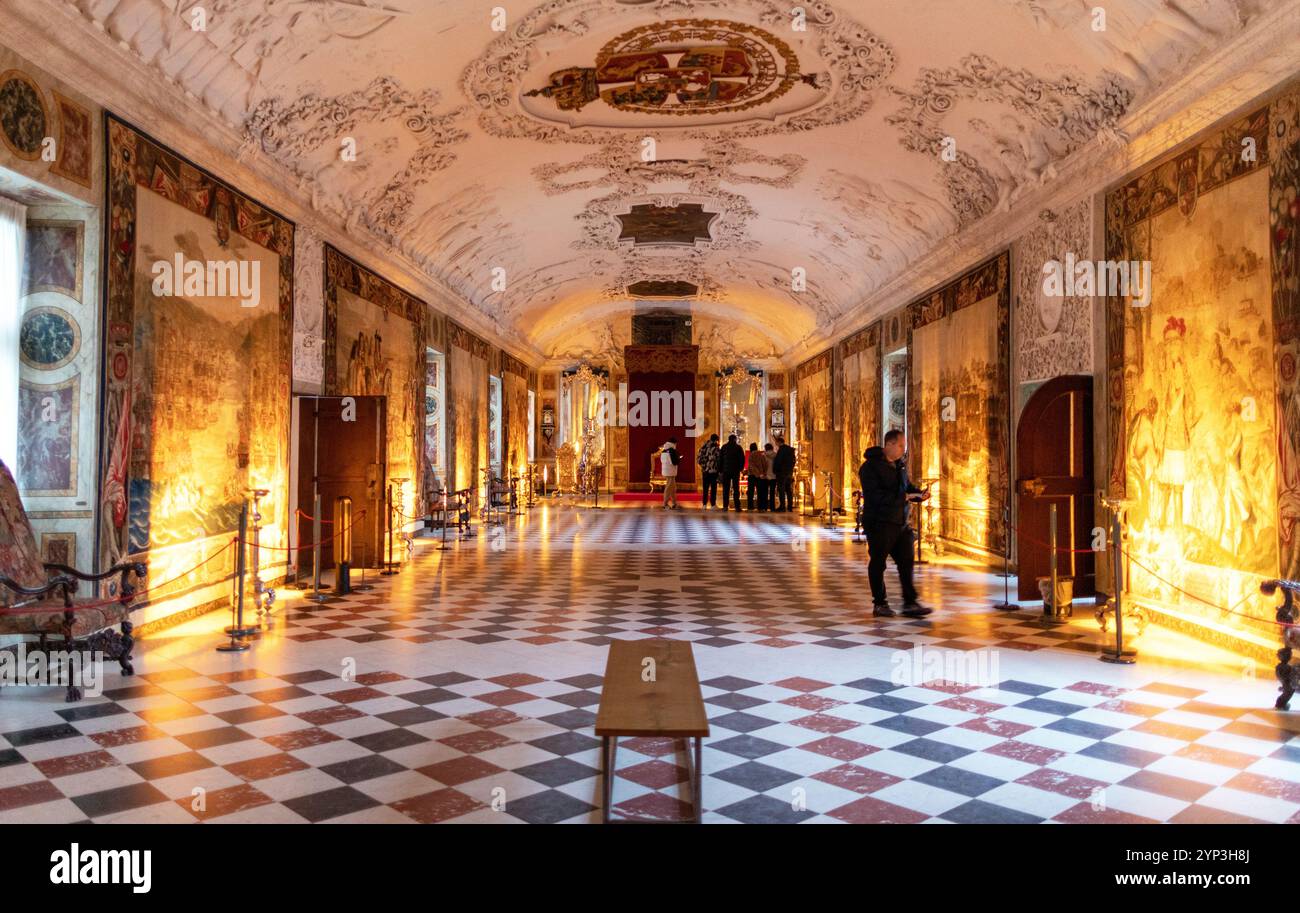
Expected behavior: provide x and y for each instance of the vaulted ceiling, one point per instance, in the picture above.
(770, 170)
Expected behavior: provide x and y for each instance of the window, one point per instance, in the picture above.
(435, 421)
(494, 424)
(532, 426)
(13, 236)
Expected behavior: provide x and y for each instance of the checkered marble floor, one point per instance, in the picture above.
(465, 688)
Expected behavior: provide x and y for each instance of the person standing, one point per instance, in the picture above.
(887, 495)
(783, 469)
(756, 469)
(769, 478)
(708, 460)
(668, 460)
(731, 462)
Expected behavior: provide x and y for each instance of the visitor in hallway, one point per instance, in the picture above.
(708, 460)
(756, 470)
(783, 468)
(769, 479)
(668, 460)
(887, 494)
(731, 462)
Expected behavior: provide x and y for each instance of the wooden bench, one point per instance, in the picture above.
(652, 700)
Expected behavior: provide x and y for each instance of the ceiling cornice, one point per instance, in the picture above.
(55, 36)
(1230, 78)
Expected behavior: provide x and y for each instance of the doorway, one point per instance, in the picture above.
(341, 452)
(1054, 457)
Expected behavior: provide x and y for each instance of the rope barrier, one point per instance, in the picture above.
(1203, 600)
(81, 607)
(37, 609)
(302, 513)
(300, 548)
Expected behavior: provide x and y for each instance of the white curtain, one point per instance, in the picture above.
(13, 239)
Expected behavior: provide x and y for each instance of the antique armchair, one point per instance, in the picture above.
(38, 598)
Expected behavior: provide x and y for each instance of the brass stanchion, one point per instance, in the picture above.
(390, 568)
(316, 594)
(442, 546)
(342, 545)
(1119, 655)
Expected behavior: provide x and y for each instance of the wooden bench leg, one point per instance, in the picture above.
(607, 775)
(699, 780)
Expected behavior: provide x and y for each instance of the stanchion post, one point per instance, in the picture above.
(442, 546)
(1006, 605)
(238, 628)
(1050, 606)
(389, 570)
(316, 586)
(342, 545)
(1118, 656)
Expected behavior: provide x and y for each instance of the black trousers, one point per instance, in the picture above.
(784, 492)
(754, 492)
(731, 484)
(888, 540)
(710, 496)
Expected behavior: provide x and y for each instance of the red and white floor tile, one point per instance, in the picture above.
(465, 689)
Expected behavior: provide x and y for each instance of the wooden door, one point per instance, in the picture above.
(342, 455)
(1054, 457)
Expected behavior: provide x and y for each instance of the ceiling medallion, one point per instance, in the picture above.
(682, 67)
(684, 223)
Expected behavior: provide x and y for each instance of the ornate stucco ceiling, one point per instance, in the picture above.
(785, 167)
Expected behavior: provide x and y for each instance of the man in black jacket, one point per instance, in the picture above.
(886, 495)
(783, 468)
(731, 463)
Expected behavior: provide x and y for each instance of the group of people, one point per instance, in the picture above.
(770, 474)
(887, 496)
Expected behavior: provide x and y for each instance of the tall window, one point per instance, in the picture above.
(435, 410)
(13, 229)
(494, 423)
(532, 426)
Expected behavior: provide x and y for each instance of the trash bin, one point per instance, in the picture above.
(1062, 603)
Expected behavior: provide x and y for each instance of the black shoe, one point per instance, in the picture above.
(916, 610)
(882, 611)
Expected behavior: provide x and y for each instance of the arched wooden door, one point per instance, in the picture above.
(1054, 457)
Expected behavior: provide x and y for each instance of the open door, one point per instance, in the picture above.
(342, 455)
(1054, 453)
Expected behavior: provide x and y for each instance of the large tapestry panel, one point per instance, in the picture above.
(862, 406)
(1201, 404)
(1200, 467)
(958, 422)
(467, 400)
(374, 346)
(196, 405)
(515, 396)
(813, 394)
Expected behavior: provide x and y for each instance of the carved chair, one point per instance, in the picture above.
(38, 596)
(1288, 673)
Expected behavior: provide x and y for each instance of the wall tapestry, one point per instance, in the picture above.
(860, 357)
(374, 346)
(1193, 386)
(514, 379)
(957, 423)
(812, 385)
(467, 402)
(196, 396)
